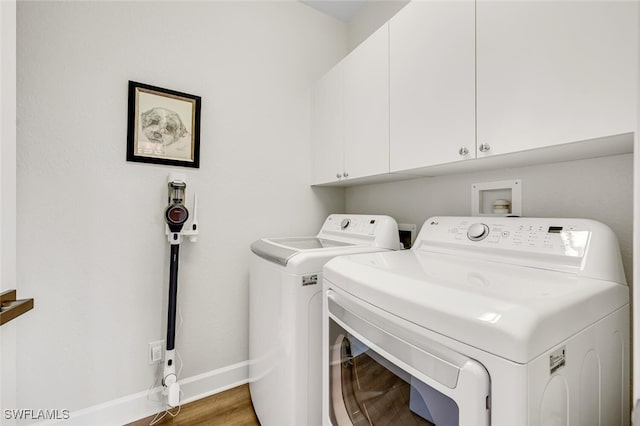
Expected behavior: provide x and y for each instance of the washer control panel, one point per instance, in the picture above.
(352, 225)
(374, 230)
(551, 236)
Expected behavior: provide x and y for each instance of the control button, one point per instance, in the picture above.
(345, 223)
(477, 231)
(505, 234)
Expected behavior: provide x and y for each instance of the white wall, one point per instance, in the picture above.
(7, 199)
(600, 189)
(91, 244)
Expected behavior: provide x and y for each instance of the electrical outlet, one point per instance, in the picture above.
(407, 233)
(155, 351)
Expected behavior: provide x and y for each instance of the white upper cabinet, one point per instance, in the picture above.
(432, 84)
(366, 107)
(351, 114)
(327, 127)
(444, 82)
(553, 72)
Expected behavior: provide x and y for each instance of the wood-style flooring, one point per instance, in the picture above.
(229, 408)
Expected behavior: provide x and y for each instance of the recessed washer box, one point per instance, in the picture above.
(485, 194)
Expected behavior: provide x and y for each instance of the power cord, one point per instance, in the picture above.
(157, 386)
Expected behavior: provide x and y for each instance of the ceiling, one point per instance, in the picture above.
(343, 10)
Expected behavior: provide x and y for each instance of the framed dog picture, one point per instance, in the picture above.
(163, 126)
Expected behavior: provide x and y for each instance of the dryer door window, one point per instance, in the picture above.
(376, 377)
(366, 389)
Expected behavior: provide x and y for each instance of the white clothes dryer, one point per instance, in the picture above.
(285, 313)
(485, 321)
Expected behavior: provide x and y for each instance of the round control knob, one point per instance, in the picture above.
(345, 223)
(477, 231)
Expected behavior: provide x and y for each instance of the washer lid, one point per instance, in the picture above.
(308, 243)
(281, 250)
(515, 312)
(338, 231)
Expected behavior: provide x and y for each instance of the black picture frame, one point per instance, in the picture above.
(163, 126)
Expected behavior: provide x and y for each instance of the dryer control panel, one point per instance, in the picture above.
(540, 236)
(569, 245)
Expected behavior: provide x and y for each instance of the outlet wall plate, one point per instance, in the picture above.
(155, 351)
(407, 233)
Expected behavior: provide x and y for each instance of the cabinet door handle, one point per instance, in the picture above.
(338, 175)
(484, 147)
(346, 174)
(463, 151)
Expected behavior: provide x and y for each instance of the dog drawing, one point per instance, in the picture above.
(162, 126)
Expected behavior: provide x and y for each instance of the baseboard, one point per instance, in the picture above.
(134, 407)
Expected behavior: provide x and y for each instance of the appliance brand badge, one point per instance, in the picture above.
(557, 359)
(309, 279)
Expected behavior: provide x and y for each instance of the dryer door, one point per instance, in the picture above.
(381, 373)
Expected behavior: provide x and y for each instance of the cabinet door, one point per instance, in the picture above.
(327, 127)
(432, 83)
(552, 72)
(366, 107)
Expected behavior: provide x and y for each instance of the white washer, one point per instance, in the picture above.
(485, 321)
(285, 313)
